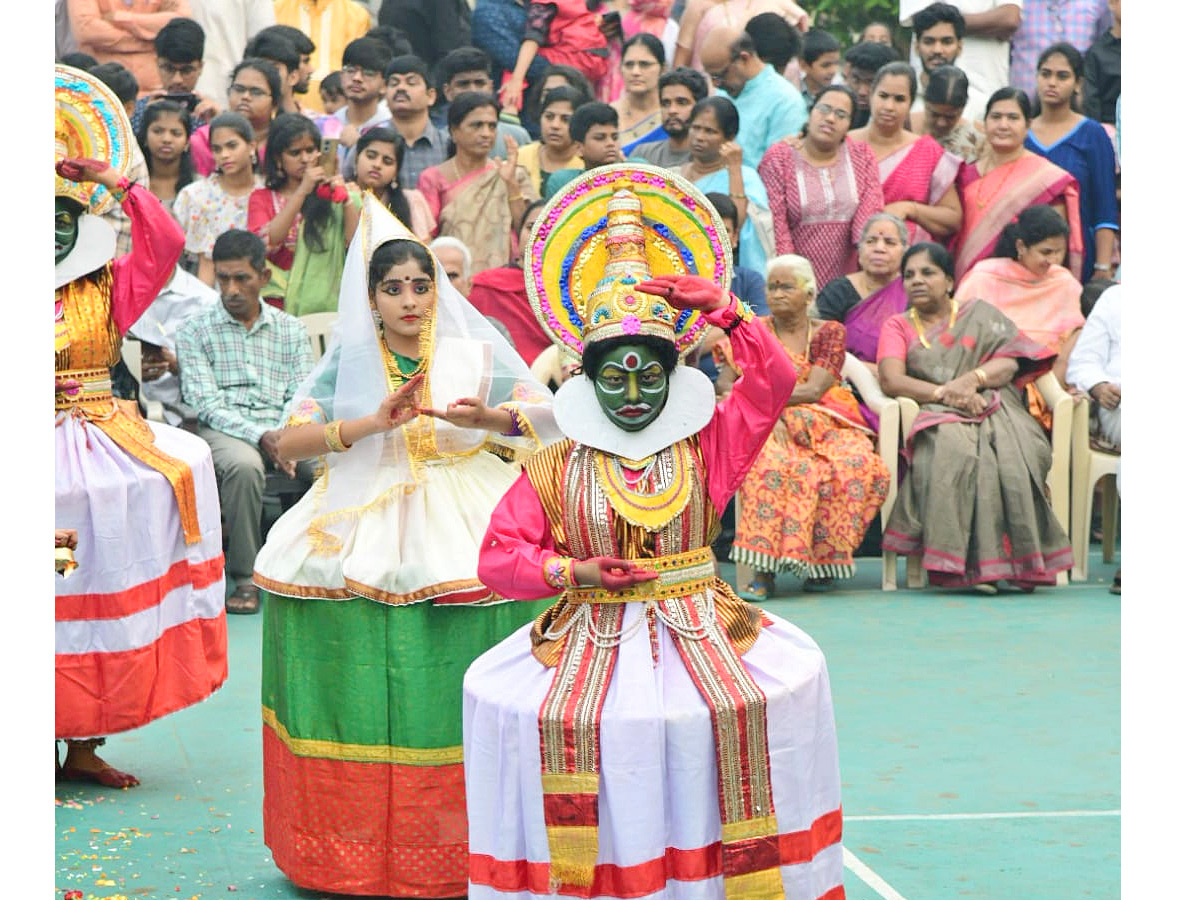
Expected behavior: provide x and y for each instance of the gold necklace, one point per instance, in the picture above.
(916, 320)
(980, 201)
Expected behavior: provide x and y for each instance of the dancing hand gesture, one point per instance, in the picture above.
(400, 406)
(687, 292)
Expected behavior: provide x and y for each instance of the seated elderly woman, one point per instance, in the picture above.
(817, 484)
(972, 504)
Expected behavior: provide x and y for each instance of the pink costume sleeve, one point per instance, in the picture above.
(140, 274)
(743, 420)
(773, 169)
(516, 544)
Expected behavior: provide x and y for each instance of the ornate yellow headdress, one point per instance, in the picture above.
(605, 232)
(89, 121)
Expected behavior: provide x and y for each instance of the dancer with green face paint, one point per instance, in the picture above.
(660, 730)
(140, 623)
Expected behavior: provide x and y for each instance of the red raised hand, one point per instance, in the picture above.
(77, 168)
(687, 292)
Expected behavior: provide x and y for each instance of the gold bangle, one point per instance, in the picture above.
(333, 437)
(981, 376)
(737, 196)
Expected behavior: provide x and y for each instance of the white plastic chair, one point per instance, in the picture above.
(1058, 479)
(886, 445)
(320, 328)
(1089, 466)
(131, 353)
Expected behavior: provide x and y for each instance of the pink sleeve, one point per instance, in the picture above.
(772, 170)
(516, 544)
(743, 420)
(202, 158)
(139, 275)
(893, 340)
(870, 192)
(427, 184)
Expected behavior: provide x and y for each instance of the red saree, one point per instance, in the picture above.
(500, 294)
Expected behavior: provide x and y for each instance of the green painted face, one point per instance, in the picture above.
(631, 385)
(66, 227)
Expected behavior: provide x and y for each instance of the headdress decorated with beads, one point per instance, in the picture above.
(89, 121)
(605, 232)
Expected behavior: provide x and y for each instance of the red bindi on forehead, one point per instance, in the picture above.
(631, 360)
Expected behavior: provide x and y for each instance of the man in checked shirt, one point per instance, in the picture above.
(240, 362)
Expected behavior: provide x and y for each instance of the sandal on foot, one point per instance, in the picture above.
(986, 588)
(760, 588)
(107, 776)
(818, 585)
(243, 601)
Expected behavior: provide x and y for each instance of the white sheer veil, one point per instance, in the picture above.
(467, 356)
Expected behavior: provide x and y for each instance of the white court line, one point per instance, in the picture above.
(874, 881)
(933, 817)
(869, 877)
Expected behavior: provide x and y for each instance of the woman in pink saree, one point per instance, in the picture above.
(917, 173)
(1008, 180)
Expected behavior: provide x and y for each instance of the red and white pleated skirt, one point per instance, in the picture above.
(139, 627)
(659, 819)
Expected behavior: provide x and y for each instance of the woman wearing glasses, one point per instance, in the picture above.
(255, 91)
(639, 117)
(822, 188)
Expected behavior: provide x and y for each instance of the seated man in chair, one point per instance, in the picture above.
(240, 362)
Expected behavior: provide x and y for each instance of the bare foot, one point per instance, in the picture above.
(82, 764)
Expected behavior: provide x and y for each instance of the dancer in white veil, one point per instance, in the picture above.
(413, 407)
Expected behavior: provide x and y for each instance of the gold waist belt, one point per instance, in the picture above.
(679, 575)
(87, 394)
(81, 387)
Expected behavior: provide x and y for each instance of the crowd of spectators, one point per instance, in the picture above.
(871, 198)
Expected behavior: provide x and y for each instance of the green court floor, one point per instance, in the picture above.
(979, 740)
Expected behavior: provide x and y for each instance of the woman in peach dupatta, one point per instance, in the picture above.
(1027, 282)
(474, 198)
(1007, 180)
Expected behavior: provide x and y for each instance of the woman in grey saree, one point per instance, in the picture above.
(973, 504)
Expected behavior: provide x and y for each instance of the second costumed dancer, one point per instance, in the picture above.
(655, 735)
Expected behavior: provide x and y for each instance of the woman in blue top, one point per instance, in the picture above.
(716, 164)
(1080, 145)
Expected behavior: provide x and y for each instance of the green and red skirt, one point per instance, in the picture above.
(362, 740)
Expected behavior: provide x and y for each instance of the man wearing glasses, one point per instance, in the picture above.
(363, 63)
(179, 55)
(332, 25)
(769, 106)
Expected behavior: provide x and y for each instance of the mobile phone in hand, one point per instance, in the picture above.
(329, 156)
(188, 101)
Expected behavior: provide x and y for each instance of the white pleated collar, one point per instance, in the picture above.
(691, 401)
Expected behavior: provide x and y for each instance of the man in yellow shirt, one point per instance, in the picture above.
(331, 24)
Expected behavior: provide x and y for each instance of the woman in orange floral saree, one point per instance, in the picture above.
(817, 484)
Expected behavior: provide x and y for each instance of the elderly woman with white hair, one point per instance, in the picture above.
(812, 493)
(455, 257)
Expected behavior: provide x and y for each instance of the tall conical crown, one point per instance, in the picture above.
(614, 309)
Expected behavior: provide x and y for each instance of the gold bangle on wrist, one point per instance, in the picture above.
(333, 437)
(981, 376)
